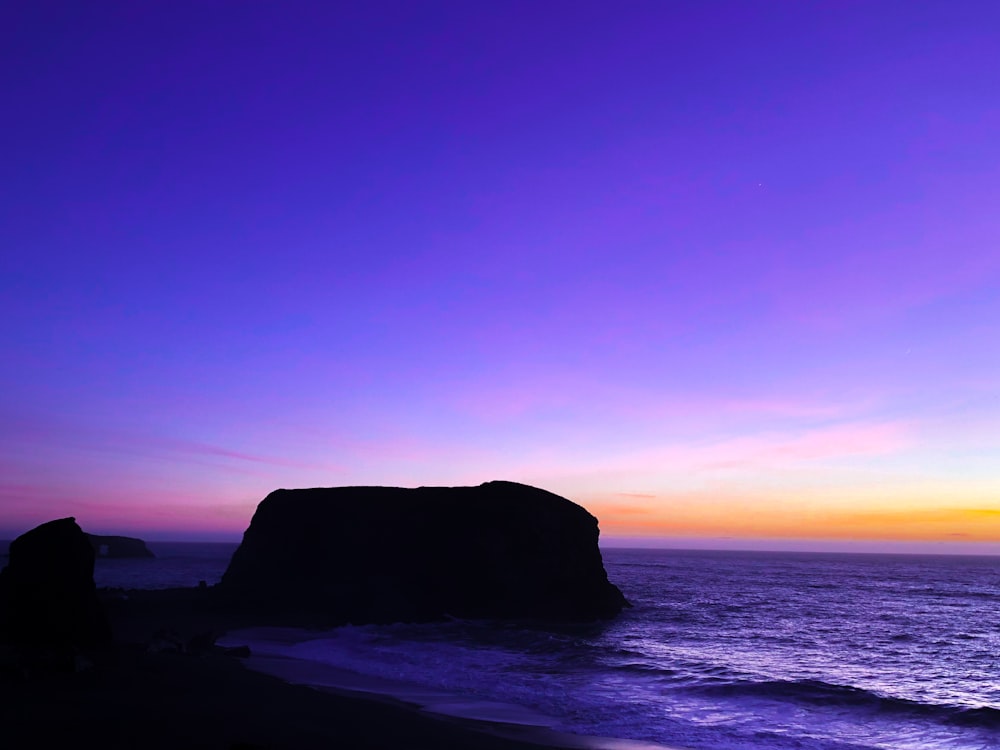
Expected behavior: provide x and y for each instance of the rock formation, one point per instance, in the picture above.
(381, 554)
(47, 592)
(118, 546)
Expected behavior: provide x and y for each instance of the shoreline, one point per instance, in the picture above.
(132, 695)
(132, 699)
(504, 720)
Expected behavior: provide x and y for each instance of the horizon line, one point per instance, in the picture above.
(689, 544)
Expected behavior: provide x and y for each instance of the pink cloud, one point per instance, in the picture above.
(841, 441)
(787, 448)
(561, 390)
(772, 450)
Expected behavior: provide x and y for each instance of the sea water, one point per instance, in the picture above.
(175, 564)
(721, 651)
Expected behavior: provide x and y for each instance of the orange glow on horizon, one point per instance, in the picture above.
(953, 524)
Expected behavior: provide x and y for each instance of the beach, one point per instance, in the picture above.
(132, 695)
(126, 696)
(130, 699)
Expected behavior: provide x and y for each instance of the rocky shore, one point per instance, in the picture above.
(116, 669)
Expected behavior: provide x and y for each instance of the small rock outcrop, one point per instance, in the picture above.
(118, 546)
(383, 554)
(47, 591)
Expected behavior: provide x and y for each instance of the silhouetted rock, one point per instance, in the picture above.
(47, 592)
(118, 546)
(381, 554)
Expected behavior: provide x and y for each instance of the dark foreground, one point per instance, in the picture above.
(134, 694)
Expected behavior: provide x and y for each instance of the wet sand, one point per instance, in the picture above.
(130, 695)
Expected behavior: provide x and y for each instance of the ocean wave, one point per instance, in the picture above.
(817, 692)
(642, 667)
(940, 593)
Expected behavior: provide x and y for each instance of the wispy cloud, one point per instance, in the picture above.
(536, 392)
(776, 450)
(51, 432)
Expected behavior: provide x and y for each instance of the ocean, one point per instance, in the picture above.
(176, 564)
(721, 651)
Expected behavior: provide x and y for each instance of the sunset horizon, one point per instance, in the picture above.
(500, 374)
(905, 531)
(713, 271)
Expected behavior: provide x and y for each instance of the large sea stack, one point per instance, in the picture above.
(47, 591)
(384, 554)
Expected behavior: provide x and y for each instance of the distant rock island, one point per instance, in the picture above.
(118, 546)
(382, 554)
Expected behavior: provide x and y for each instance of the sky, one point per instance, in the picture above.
(724, 273)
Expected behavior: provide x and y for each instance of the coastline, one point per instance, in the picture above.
(132, 699)
(128, 696)
(497, 719)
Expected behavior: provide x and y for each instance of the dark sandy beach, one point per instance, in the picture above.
(130, 699)
(125, 696)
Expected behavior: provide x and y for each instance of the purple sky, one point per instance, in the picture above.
(712, 269)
